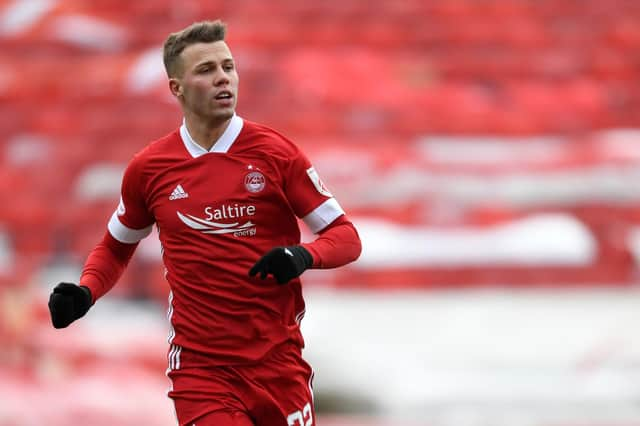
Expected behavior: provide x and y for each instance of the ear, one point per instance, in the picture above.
(175, 87)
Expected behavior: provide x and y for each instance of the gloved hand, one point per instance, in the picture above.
(284, 263)
(67, 303)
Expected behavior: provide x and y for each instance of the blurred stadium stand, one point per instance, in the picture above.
(474, 143)
(421, 116)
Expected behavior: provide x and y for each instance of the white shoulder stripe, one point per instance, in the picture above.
(124, 234)
(323, 215)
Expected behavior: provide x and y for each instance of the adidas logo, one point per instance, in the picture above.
(178, 193)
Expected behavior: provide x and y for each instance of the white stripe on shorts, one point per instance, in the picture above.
(174, 357)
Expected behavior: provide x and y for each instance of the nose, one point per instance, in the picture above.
(220, 77)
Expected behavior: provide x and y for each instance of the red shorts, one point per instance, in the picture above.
(274, 392)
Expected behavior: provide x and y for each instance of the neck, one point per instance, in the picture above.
(205, 133)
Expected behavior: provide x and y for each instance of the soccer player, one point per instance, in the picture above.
(225, 194)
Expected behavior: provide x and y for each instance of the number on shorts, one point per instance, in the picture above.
(301, 418)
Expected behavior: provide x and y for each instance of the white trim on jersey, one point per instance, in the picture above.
(310, 384)
(172, 331)
(174, 353)
(125, 234)
(222, 145)
(323, 215)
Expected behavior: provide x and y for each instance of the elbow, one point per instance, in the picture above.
(356, 246)
(357, 251)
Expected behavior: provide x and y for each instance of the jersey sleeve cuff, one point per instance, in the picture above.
(125, 234)
(323, 215)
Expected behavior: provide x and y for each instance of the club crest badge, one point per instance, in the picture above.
(254, 181)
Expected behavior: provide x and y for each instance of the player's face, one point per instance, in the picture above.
(208, 86)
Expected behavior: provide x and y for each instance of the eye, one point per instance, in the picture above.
(229, 67)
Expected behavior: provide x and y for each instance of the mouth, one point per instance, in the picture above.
(224, 95)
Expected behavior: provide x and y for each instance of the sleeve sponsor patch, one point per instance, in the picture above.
(313, 175)
(121, 209)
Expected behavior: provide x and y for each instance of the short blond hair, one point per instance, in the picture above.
(198, 32)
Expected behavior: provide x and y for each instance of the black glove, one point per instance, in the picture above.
(67, 303)
(284, 263)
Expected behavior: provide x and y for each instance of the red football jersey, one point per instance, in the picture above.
(217, 213)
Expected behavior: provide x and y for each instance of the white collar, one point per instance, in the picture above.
(223, 143)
